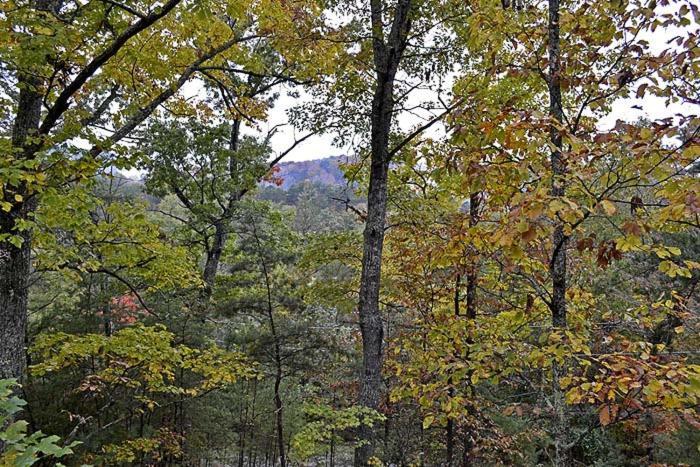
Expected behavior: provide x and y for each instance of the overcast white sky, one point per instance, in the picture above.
(321, 146)
(316, 147)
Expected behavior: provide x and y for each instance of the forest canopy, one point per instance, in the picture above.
(501, 269)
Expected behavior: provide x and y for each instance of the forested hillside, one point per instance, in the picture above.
(326, 171)
(504, 269)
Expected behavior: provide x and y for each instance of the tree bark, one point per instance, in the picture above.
(472, 276)
(387, 56)
(14, 270)
(15, 260)
(562, 450)
(279, 416)
(221, 226)
(211, 266)
(371, 326)
(277, 355)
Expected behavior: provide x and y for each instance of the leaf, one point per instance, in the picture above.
(427, 421)
(641, 90)
(604, 415)
(608, 207)
(530, 234)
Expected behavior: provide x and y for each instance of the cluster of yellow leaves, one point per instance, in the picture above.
(138, 357)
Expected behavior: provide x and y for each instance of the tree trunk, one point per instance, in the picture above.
(277, 355)
(450, 429)
(472, 276)
(14, 271)
(562, 450)
(211, 267)
(370, 318)
(221, 226)
(15, 260)
(387, 56)
(558, 262)
(279, 416)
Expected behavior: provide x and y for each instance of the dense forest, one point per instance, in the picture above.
(502, 268)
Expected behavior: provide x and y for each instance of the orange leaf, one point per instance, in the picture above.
(604, 415)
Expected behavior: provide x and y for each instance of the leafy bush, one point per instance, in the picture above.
(22, 448)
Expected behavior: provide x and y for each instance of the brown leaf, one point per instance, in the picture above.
(604, 415)
(641, 90)
(632, 228)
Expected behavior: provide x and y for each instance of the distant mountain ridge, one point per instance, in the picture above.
(325, 171)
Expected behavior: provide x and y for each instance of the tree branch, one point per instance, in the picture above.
(63, 100)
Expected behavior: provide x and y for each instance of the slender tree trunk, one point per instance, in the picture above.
(252, 440)
(332, 453)
(279, 415)
(277, 355)
(243, 420)
(472, 276)
(558, 261)
(221, 226)
(106, 308)
(387, 56)
(450, 429)
(211, 267)
(559, 239)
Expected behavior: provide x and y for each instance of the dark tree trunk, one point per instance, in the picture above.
(15, 260)
(450, 429)
(277, 355)
(221, 226)
(472, 276)
(279, 416)
(387, 56)
(560, 435)
(211, 267)
(243, 421)
(450, 444)
(14, 271)
(370, 318)
(558, 261)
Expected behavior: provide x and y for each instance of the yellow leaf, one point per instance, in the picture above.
(608, 207)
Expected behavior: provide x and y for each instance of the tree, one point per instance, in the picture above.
(181, 152)
(387, 55)
(208, 169)
(368, 91)
(503, 147)
(65, 71)
(130, 379)
(557, 264)
(264, 294)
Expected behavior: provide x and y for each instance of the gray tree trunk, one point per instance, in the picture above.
(560, 432)
(222, 225)
(387, 57)
(15, 261)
